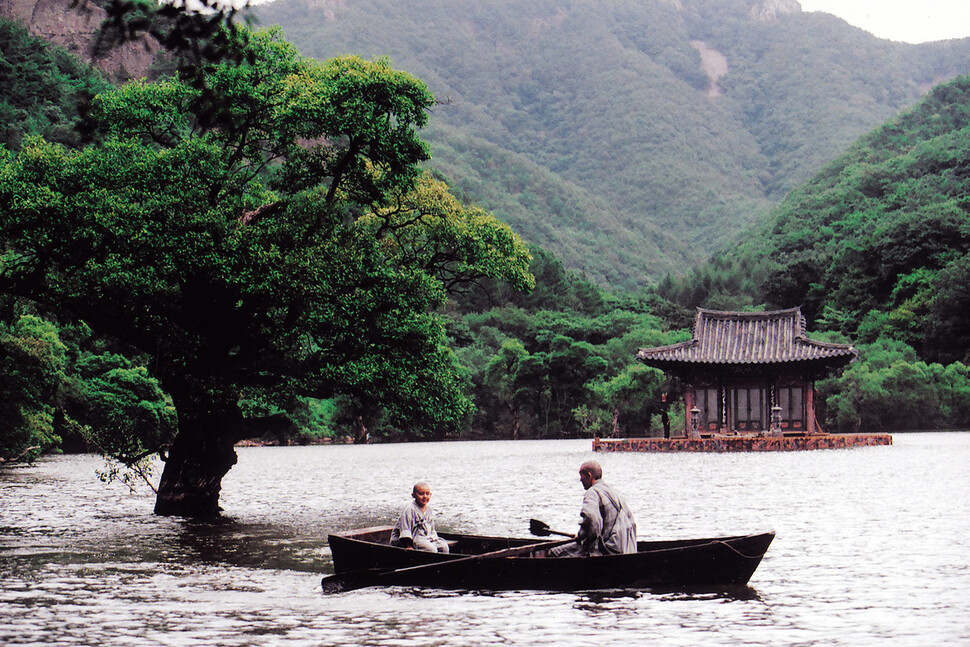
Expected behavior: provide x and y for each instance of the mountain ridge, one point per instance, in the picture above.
(613, 99)
(633, 138)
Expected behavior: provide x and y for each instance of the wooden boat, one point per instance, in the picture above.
(665, 565)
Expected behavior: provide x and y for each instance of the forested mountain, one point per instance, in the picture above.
(630, 137)
(876, 249)
(876, 245)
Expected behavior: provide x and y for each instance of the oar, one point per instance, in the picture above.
(363, 578)
(542, 529)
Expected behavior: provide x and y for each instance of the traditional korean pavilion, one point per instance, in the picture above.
(749, 371)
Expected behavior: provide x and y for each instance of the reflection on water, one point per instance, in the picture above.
(871, 548)
(258, 545)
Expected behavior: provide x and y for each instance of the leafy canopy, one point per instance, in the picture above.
(44, 87)
(32, 360)
(259, 230)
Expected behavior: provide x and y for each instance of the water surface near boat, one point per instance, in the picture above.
(871, 548)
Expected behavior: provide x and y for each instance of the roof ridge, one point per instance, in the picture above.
(761, 314)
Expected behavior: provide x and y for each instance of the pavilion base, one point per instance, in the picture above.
(741, 443)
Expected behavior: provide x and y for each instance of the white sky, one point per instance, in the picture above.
(912, 21)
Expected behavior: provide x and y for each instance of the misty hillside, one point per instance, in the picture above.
(630, 137)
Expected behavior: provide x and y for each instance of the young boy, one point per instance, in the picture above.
(415, 528)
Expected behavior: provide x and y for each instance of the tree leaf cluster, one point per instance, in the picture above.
(64, 388)
(560, 362)
(285, 244)
(45, 89)
(893, 389)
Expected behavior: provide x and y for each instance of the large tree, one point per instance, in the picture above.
(261, 229)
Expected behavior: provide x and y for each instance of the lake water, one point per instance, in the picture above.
(872, 548)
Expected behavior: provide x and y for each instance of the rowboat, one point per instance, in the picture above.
(477, 562)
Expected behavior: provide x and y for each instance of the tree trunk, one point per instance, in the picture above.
(615, 424)
(361, 435)
(514, 412)
(198, 459)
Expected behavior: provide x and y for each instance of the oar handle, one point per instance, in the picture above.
(558, 532)
(542, 529)
(505, 552)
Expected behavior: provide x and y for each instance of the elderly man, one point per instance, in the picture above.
(606, 524)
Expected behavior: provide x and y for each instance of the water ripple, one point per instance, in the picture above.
(871, 549)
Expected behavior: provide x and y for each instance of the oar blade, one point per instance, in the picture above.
(333, 584)
(539, 528)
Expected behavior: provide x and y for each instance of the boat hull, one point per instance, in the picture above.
(693, 563)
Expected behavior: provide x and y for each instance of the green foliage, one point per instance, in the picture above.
(318, 421)
(62, 388)
(636, 390)
(875, 249)
(44, 88)
(259, 231)
(125, 414)
(32, 364)
(503, 376)
(946, 334)
(538, 371)
(430, 229)
(875, 245)
(890, 389)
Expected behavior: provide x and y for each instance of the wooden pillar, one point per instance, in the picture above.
(727, 411)
(688, 405)
(810, 408)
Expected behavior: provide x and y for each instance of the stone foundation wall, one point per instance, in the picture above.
(749, 443)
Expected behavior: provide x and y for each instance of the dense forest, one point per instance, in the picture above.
(874, 247)
(631, 138)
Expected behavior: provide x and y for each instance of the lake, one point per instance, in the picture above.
(872, 548)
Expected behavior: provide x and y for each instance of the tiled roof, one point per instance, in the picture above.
(748, 338)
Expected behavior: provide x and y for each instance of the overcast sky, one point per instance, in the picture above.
(912, 21)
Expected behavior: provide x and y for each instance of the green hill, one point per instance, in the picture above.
(631, 137)
(877, 244)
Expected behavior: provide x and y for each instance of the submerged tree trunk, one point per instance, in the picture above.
(198, 459)
(514, 412)
(361, 435)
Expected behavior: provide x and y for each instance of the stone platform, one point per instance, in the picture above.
(741, 443)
